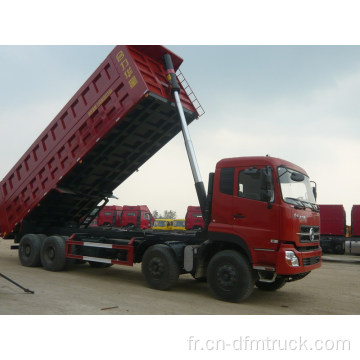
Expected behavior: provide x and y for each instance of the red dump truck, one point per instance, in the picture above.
(261, 219)
(332, 228)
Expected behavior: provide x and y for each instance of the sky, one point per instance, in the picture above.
(298, 103)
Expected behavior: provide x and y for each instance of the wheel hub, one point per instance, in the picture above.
(226, 276)
(156, 267)
(51, 253)
(27, 250)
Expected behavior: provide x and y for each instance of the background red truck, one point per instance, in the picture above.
(138, 217)
(194, 219)
(352, 244)
(355, 221)
(332, 228)
(110, 215)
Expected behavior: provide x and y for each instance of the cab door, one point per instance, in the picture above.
(255, 212)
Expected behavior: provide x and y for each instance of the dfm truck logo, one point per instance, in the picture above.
(300, 217)
(312, 234)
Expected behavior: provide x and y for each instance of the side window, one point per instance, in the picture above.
(227, 180)
(254, 185)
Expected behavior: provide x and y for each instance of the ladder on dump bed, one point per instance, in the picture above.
(190, 93)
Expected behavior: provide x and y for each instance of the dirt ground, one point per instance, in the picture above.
(332, 289)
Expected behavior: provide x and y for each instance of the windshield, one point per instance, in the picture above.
(296, 188)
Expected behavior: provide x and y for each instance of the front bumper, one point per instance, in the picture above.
(308, 260)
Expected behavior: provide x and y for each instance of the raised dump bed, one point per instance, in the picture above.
(116, 121)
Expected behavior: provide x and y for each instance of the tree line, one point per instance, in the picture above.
(168, 214)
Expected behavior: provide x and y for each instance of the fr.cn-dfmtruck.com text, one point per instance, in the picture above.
(248, 343)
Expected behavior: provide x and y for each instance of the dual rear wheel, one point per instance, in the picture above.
(38, 249)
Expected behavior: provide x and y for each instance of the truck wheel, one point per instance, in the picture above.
(339, 248)
(29, 250)
(230, 276)
(159, 267)
(52, 253)
(277, 284)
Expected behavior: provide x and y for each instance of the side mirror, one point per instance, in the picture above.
(267, 188)
(267, 195)
(251, 171)
(314, 189)
(297, 177)
(266, 178)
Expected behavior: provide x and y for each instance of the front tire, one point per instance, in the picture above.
(159, 267)
(230, 276)
(52, 253)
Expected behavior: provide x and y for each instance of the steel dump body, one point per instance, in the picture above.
(355, 221)
(332, 228)
(119, 118)
(332, 220)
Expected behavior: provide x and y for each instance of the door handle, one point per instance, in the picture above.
(240, 216)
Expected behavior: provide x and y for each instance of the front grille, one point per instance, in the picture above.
(309, 233)
(307, 248)
(311, 260)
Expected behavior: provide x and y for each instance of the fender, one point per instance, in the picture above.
(226, 238)
(216, 242)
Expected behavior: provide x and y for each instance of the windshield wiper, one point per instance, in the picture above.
(313, 206)
(298, 203)
(301, 204)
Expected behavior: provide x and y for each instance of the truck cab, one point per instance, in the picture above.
(194, 219)
(265, 208)
(110, 215)
(138, 217)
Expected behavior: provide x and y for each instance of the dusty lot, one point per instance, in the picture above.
(333, 289)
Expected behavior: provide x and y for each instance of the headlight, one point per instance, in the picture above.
(291, 259)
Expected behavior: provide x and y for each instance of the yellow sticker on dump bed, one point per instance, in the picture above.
(126, 69)
(101, 101)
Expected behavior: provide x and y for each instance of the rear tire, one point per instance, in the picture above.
(277, 284)
(29, 250)
(52, 253)
(159, 267)
(230, 276)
